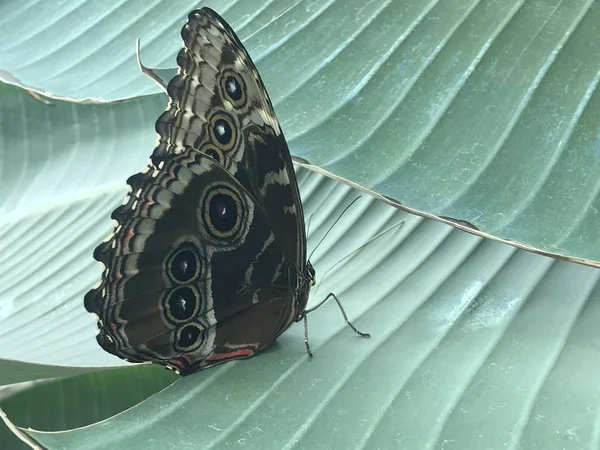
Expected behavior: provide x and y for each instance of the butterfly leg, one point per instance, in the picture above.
(330, 295)
(306, 337)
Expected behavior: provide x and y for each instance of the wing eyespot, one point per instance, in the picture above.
(214, 152)
(181, 305)
(188, 338)
(233, 88)
(223, 132)
(183, 265)
(222, 212)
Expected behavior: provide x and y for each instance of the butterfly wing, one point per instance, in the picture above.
(203, 264)
(219, 106)
(180, 266)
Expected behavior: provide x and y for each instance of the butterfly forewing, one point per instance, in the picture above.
(219, 106)
(206, 261)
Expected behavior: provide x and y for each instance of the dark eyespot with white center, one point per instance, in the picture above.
(184, 265)
(188, 338)
(212, 151)
(183, 304)
(233, 88)
(222, 131)
(222, 212)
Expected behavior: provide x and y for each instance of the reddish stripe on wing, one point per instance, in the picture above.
(234, 354)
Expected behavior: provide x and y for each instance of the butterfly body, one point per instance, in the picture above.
(207, 262)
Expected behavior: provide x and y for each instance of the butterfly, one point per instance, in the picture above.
(207, 261)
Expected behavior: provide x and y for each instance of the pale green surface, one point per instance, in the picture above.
(474, 344)
(86, 48)
(483, 111)
(17, 371)
(58, 188)
(80, 400)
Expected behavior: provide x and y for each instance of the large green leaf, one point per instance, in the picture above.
(85, 50)
(474, 344)
(482, 111)
(57, 192)
(81, 400)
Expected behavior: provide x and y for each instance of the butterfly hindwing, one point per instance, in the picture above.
(182, 259)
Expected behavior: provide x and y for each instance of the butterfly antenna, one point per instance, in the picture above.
(377, 236)
(331, 227)
(332, 295)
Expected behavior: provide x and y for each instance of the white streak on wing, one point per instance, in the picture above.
(109, 237)
(239, 64)
(277, 270)
(248, 274)
(280, 177)
(270, 119)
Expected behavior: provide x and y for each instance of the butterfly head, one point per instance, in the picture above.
(311, 275)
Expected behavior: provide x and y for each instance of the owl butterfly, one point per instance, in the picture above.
(207, 261)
